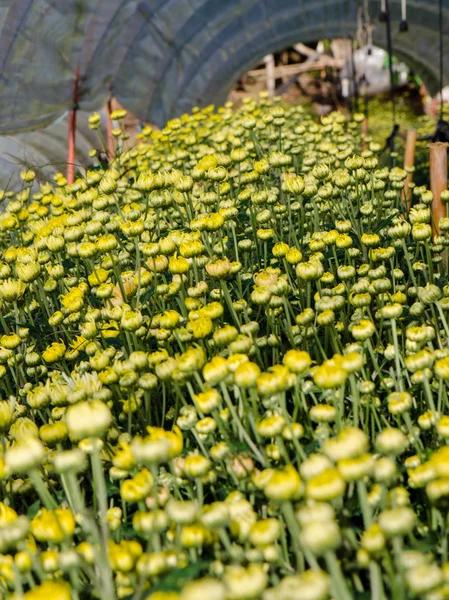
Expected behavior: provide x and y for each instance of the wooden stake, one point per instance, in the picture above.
(284, 61)
(365, 127)
(438, 180)
(71, 149)
(269, 69)
(364, 133)
(109, 136)
(409, 162)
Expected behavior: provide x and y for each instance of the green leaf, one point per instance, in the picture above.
(33, 509)
(176, 579)
(113, 490)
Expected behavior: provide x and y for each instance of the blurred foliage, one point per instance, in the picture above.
(409, 114)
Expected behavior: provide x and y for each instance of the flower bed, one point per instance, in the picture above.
(224, 366)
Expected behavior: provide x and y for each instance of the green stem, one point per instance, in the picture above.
(41, 488)
(339, 587)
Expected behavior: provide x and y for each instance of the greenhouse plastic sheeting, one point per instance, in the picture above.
(161, 57)
(45, 150)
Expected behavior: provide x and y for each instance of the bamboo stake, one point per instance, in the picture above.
(365, 127)
(269, 69)
(286, 71)
(71, 149)
(438, 180)
(409, 163)
(365, 133)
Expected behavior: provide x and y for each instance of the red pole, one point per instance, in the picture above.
(110, 138)
(72, 131)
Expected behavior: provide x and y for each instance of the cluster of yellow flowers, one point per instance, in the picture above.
(224, 364)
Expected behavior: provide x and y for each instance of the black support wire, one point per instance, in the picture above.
(390, 58)
(366, 42)
(355, 84)
(390, 143)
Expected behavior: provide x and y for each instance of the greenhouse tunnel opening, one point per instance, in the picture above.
(160, 59)
(203, 72)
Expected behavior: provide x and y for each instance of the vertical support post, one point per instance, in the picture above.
(71, 150)
(269, 69)
(109, 136)
(365, 133)
(365, 127)
(438, 180)
(284, 61)
(409, 162)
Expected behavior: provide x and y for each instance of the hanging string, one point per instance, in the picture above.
(390, 58)
(368, 42)
(390, 143)
(354, 82)
(370, 39)
(364, 83)
(360, 29)
(403, 25)
(364, 41)
(366, 12)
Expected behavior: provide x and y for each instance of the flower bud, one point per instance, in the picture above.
(321, 537)
(283, 485)
(397, 521)
(25, 455)
(326, 486)
(88, 419)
